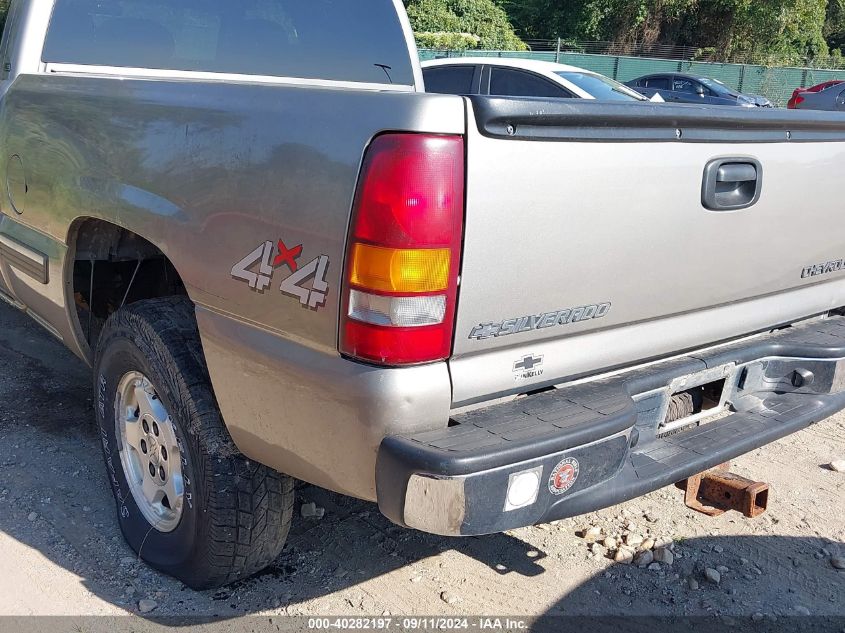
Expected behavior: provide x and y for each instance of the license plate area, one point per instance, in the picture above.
(693, 399)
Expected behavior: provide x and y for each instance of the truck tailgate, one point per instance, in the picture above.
(588, 245)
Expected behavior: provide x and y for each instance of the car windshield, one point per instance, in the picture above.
(715, 85)
(600, 87)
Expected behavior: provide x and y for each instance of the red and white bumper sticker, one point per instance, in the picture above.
(564, 476)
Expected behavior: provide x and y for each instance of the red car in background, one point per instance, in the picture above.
(797, 98)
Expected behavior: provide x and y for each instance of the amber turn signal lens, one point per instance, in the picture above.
(400, 270)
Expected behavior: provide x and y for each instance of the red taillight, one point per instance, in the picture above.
(795, 102)
(404, 251)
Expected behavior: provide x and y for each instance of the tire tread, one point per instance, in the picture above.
(249, 507)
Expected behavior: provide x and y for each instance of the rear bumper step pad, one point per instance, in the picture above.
(455, 481)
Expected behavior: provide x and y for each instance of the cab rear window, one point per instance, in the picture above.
(344, 40)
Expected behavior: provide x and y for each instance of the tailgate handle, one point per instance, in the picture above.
(734, 172)
(731, 184)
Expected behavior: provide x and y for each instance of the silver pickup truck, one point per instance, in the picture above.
(482, 313)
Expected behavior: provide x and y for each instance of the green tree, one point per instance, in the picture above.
(771, 29)
(732, 28)
(834, 28)
(4, 9)
(606, 20)
(482, 20)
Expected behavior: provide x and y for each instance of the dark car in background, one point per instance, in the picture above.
(829, 95)
(685, 88)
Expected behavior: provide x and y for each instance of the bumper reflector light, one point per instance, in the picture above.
(523, 489)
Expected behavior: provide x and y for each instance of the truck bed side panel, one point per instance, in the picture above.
(210, 172)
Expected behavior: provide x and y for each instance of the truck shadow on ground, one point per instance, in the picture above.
(764, 583)
(54, 499)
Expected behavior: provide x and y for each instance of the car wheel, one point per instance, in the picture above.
(188, 502)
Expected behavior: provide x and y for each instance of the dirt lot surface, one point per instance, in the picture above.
(61, 552)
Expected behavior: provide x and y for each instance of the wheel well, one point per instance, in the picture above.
(113, 267)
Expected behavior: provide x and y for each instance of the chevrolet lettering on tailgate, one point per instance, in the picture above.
(539, 321)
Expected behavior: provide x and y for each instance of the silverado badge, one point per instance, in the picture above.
(539, 321)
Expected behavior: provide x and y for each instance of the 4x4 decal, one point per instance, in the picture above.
(257, 269)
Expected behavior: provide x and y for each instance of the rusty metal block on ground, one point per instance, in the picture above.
(718, 491)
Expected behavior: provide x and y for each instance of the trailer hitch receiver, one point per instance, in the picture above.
(718, 491)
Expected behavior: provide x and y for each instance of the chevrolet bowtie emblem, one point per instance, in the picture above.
(529, 363)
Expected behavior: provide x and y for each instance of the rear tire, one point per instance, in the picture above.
(207, 515)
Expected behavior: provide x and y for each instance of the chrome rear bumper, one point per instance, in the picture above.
(578, 449)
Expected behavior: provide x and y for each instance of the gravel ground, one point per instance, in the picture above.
(59, 539)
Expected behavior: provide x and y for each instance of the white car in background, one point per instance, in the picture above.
(521, 78)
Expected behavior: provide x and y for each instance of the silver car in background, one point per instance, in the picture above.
(522, 78)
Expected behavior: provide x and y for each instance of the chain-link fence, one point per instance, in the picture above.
(630, 49)
(775, 82)
(686, 53)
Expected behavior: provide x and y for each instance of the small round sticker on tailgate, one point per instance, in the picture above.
(564, 476)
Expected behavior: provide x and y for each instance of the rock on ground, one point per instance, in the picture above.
(624, 556)
(664, 555)
(145, 606)
(592, 534)
(633, 539)
(312, 511)
(644, 558)
(712, 575)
